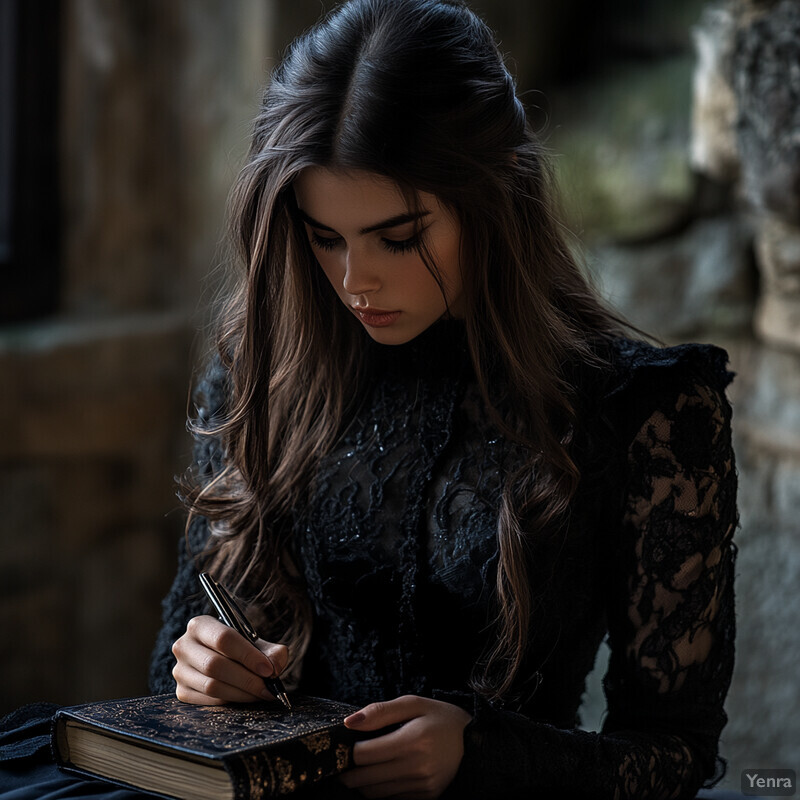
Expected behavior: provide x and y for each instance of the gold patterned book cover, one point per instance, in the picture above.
(177, 750)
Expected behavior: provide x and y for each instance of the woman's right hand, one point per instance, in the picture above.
(216, 665)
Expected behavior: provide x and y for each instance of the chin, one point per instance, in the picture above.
(390, 337)
(401, 332)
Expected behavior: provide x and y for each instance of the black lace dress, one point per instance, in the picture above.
(398, 550)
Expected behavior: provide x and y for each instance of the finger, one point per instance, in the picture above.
(217, 636)
(380, 750)
(196, 698)
(277, 654)
(390, 712)
(194, 657)
(372, 775)
(195, 687)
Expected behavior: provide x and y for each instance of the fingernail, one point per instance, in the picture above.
(267, 695)
(354, 719)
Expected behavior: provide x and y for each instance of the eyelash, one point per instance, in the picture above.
(392, 245)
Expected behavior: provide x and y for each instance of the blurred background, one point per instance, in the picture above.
(675, 127)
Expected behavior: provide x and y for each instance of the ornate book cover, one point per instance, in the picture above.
(177, 750)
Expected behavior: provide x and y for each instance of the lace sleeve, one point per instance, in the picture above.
(671, 627)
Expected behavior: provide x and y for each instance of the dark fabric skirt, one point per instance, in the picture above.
(44, 781)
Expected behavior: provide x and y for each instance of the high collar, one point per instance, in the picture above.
(440, 351)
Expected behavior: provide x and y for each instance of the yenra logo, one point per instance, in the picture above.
(769, 782)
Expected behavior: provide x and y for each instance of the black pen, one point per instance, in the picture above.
(230, 613)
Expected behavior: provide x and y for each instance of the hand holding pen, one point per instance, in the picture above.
(230, 613)
(218, 663)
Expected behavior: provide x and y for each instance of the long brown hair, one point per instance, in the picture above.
(415, 91)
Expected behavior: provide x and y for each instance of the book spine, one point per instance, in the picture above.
(299, 763)
(58, 741)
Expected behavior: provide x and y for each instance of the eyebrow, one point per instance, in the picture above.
(392, 222)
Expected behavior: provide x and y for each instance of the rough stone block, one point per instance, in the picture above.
(93, 388)
(622, 146)
(86, 477)
(766, 395)
(714, 149)
(699, 283)
(778, 321)
(768, 638)
(778, 255)
(766, 69)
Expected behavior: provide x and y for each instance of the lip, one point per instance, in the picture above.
(376, 317)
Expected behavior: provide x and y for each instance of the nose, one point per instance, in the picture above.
(360, 276)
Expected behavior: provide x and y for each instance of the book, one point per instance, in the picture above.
(178, 750)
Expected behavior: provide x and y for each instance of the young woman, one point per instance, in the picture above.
(430, 461)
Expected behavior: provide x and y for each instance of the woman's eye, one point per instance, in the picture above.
(325, 242)
(401, 246)
(392, 245)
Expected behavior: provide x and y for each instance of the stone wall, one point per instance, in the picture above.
(156, 104)
(681, 170)
(756, 152)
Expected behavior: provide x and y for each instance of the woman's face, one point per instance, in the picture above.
(364, 237)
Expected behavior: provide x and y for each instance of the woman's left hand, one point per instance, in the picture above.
(419, 759)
